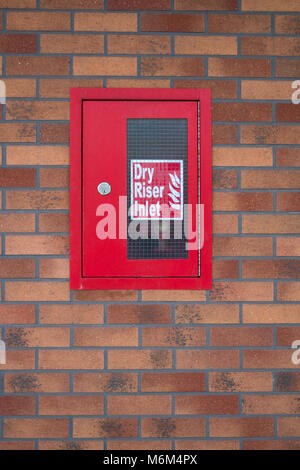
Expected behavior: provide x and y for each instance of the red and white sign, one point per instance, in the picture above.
(157, 189)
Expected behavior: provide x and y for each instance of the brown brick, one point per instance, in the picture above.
(18, 4)
(266, 90)
(18, 43)
(277, 179)
(105, 427)
(264, 359)
(69, 314)
(17, 313)
(239, 291)
(207, 445)
(75, 4)
(37, 154)
(287, 112)
(288, 381)
(243, 246)
(71, 445)
(138, 313)
(17, 132)
(219, 88)
(54, 268)
(71, 405)
(17, 267)
(208, 359)
(36, 428)
(287, 335)
(139, 404)
(173, 336)
(46, 200)
(206, 404)
(224, 179)
(270, 313)
(53, 177)
(105, 22)
(174, 22)
(206, 5)
(103, 295)
(112, 382)
(72, 43)
(41, 382)
(133, 44)
(288, 157)
(36, 245)
(279, 46)
(225, 269)
(17, 177)
(287, 68)
(38, 21)
(289, 426)
(138, 5)
(289, 291)
(137, 83)
(60, 87)
(91, 337)
(201, 313)
(25, 337)
(270, 5)
(242, 201)
(28, 65)
(216, 45)
(139, 359)
(139, 445)
(240, 382)
(271, 223)
(17, 405)
(225, 223)
(224, 134)
(175, 295)
(18, 360)
(20, 87)
(37, 291)
(54, 133)
(173, 382)
(177, 66)
(17, 445)
(229, 67)
(270, 404)
(241, 427)
(269, 268)
(242, 112)
(287, 24)
(288, 246)
(173, 427)
(105, 66)
(264, 134)
(241, 336)
(37, 110)
(71, 359)
(289, 202)
(16, 222)
(56, 222)
(271, 444)
(239, 24)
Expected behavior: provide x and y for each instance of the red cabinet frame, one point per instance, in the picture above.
(202, 100)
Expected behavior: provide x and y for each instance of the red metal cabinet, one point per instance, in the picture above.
(140, 189)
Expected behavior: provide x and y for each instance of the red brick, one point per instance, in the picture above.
(37, 337)
(92, 337)
(273, 179)
(207, 445)
(18, 4)
(37, 110)
(69, 314)
(270, 404)
(268, 359)
(139, 313)
(173, 382)
(37, 154)
(174, 22)
(271, 223)
(56, 268)
(71, 359)
(17, 177)
(139, 405)
(138, 5)
(139, 359)
(270, 5)
(17, 268)
(241, 336)
(279, 46)
(229, 67)
(288, 246)
(242, 112)
(34, 291)
(205, 313)
(111, 382)
(18, 43)
(105, 22)
(288, 157)
(133, 44)
(206, 5)
(105, 427)
(17, 314)
(207, 359)
(18, 405)
(241, 291)
(240, 382)
(139, 445)
(42, 200)
(38, 21)
(60, 87)
(287, 68)
(173, 336)
(264, 134)
(287, 335)
(36, 428)
(173, 66)
(271, 444)
(54, 222)
(225, 269)
(71, 445)
(287, 112)
(18, 360)
(288, 381)
(173, 295)
(71, 405)
(53, 177)
(206, 404)
(288, 291)
(75, 4)
(225, 223)
(266, 90)
(104, 66)
(103, 295)
(242, 201)
(241, 427)
(288, 427)
(173, 427)
(20, 87)
(239, 24)
(224, 179)
(219, 88)
(216, 45)
(269, 268)
(17, 445)
(36, 244)
(243, 246)
(32, 382)
(271, 313)
(137, 83)
(17, 132)
(224, 134)
(72, 44)
(28, 65)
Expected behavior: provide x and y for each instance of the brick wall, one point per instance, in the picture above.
(152, 369)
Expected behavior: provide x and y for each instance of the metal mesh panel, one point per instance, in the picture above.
(156, 139)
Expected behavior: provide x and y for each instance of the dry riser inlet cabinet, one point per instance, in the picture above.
(140, 189)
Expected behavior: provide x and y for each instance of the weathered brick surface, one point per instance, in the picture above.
(155, 369)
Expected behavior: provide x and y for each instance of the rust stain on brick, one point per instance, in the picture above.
(111, 428)
(24, 383)
(118, 383)
(18, 110)
(188, 315)
(225, 383)
(16, 338)
(159, 359)
(283, 381)
(27, 130)
(71, 445)
(165, 427)
(178, 337)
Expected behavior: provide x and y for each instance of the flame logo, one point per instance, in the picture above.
(175, 194)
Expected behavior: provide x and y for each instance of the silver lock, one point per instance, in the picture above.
(104, 188)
